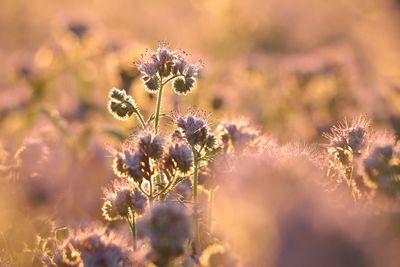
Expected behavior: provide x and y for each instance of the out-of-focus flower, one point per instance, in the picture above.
(216, 255)
(238, 136)
(168, 227)
(92, 248)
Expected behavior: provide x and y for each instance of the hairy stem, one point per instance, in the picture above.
(138, 114)
(140, 117)
(158, 107)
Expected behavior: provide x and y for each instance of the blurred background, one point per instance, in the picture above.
(294, 67)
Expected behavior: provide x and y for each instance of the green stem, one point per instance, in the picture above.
(140, 117)
(158, 178)
(158, 107)
(166, 188)
(143, 191)
(151, 197)
(170, 79)
(138, 114)
(132, 225)
(196, 216)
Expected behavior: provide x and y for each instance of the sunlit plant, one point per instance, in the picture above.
(151, 165)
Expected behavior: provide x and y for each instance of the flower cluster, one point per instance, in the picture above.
(168, 64)
(238, 136)
(92, 248)
(166, 172)
(347, 140)
(121, 200)
(367, 161)
(134, 161)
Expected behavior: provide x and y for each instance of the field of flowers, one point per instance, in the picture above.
(208, 133)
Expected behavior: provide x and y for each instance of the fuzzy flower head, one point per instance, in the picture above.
(218, 255)
(165, 63)
(351, 137)
(194, 128)
(31, 156)
(347, 143)
(151, 145)
(121, 105)
(92, 248)
(121, 199)
(169, 228)
(178, 158)
(133, 163)
(239, 135)
(382, 166)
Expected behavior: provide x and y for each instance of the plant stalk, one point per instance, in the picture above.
(195, 202)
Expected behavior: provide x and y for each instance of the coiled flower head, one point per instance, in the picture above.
(195, 129)
(178, 158)
(151, 145)
(382, 167)
(121, 105)
(238, 135)
(121, 199)
(346, 143)
(92, 248)
(166, 63)
(133, 163)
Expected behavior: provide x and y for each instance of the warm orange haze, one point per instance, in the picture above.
(207, 133)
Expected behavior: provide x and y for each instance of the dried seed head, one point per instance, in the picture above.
(121, 105)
